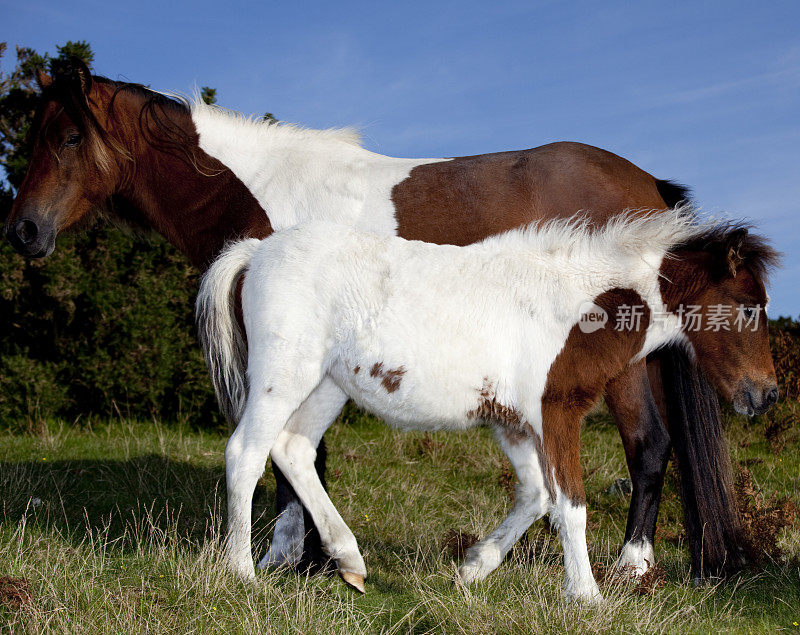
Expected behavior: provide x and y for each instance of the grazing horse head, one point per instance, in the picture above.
(72, 169)
(715, 283)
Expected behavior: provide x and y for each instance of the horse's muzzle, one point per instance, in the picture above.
(752, 400)
(30, 238)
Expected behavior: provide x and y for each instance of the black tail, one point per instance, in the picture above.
(711, 516)
(673, 193)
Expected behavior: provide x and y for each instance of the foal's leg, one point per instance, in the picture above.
(561, 443)
(316, 414)
(647, 449)
(530, 504)
(245, 457)
(294, 453)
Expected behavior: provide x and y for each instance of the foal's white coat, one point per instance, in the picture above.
(411, 331)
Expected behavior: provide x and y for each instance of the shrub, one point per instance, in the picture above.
(785, 344)
(105, 323)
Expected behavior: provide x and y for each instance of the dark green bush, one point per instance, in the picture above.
(105, 324)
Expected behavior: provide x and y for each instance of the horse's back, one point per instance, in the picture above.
(468, 198)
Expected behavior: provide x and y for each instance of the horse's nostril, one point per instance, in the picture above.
(27, 231)
(772, 397)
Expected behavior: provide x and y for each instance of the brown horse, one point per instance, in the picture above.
(201, 177)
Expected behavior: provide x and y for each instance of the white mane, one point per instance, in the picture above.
(633, 232)
(277, 131)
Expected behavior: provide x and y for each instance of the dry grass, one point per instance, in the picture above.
(116, 528)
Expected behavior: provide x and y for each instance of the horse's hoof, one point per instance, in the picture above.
(354, 580)
(589, 597)
(468, 574)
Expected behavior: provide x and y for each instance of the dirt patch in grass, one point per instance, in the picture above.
(427, 446)
(654, 578)
(455, 543)
(14, 592)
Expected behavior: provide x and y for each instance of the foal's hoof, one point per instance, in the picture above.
(354, 580)
(587, 597)
(472, 572)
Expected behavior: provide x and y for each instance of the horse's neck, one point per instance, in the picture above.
(192, 199)
(301, 175)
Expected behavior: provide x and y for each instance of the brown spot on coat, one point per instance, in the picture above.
(390, 378)
(356, 369)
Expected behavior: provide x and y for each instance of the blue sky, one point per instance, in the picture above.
(707, 93)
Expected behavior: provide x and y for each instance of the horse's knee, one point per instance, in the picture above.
(534, 499)
(293, 450)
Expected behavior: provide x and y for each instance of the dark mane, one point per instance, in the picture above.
(754, 252)
(673, 193)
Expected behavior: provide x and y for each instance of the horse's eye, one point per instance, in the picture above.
(750, 312)
(72, 140)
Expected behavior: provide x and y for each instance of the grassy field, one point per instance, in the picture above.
(115, 526)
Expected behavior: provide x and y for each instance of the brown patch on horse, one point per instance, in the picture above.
(478, 196)
(576, 380)
(490, 410)
(356, 369)
(390, 379)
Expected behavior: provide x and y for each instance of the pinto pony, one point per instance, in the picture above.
(442, 337)
(201, 177)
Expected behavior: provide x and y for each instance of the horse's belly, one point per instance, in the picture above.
(406, 398)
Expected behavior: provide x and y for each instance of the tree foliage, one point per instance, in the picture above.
(106, 322)
(208, 95)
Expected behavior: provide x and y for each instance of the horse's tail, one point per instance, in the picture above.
(221, 337)
(711, 516)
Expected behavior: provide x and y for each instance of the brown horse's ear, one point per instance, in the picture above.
(733, 250)
(81, 74)
(43, 79)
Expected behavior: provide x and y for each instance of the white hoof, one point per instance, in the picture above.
(482, 558)
(355, 580)
(634, 560)
(243, 570)
(590, 595)
(470, 572)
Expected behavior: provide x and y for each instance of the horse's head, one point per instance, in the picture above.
(72, 169)
(716, 285)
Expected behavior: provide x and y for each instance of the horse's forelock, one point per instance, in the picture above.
(76, 105)
(754, 252)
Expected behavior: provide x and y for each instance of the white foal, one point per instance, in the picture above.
(431, 337)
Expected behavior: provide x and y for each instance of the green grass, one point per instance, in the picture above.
(117, 527)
